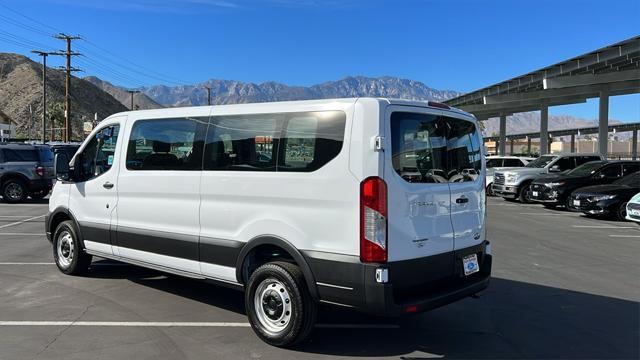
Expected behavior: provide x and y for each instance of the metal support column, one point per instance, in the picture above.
(503, 134)
(573, 143)
(528, 146)
(603, 122)
(511, 147)
(634, 145)
(544, 128)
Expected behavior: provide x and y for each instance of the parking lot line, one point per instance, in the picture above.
(625, 236)
(179, 324)
(26, 263)
(21, 221)
(22, 234)
(604, 227)
(545, 214)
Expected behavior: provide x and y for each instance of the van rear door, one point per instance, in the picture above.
(419, 199)
(466, 182)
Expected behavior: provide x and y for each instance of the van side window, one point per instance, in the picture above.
(242, 142)
(274, 142)
(166, 144)
(311, 140)
(513, 163)
(97, 156)
(491, 163)
(463, 151)
(585, 159)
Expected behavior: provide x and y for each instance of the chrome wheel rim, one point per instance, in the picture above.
(14, 191)
(64, 249)
(272, 304)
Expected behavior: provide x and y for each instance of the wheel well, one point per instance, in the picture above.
(261, 255)
(8, 177)
(56, 220)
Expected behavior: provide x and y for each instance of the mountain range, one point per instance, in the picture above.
(21, 88)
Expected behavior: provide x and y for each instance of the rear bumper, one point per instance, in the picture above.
(415, 285)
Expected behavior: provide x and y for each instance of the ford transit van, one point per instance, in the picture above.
(369, 204)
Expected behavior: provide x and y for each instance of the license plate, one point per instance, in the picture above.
(534, 193)
(470, 264)
(576, 202)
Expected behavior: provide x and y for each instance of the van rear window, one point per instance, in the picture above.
(430, 148)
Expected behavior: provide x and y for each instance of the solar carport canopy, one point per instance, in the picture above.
(614, 69)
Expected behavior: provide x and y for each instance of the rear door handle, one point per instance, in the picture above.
(107, 185)
(462, 200)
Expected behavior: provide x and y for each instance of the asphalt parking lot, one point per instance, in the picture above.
(564, 286)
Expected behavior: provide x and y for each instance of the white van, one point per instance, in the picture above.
(371, 204)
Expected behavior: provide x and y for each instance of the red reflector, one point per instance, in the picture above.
(411, 309)
(438, 105)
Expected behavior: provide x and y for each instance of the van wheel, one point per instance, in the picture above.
(68, 251)
(279, 306)
(14, 191)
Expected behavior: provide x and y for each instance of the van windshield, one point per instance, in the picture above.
(429, 148)
(540, 162)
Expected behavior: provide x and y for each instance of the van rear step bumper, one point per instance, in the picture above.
(414, 285)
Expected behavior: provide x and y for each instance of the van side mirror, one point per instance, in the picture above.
(61, 165)
(554, 168)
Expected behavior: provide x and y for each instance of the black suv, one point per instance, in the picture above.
(25, 170)
(552, 190)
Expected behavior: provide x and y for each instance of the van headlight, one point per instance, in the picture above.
(602, 197)
(511, 177)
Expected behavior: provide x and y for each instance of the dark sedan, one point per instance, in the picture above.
(552, 190)
(606, 199)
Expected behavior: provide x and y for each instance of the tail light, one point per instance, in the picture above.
(40, 170)
(438, 105)
(373, 220)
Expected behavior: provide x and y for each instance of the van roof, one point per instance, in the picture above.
(317, 102)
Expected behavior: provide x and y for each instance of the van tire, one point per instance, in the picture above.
(68, 251)
(290, 284)
(14, 191)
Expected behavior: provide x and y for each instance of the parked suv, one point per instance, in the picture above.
(498, 161)
(369, 204)
(556, 189)
(513, 183)
(25, 170)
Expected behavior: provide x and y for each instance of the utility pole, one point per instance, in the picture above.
(66, 136)
(208, 94)
(44, 91)
(132, 92)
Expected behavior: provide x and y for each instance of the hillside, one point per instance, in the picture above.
(21, 87)
(140, 100)
(235, 92)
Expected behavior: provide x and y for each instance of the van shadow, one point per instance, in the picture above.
(511, 319)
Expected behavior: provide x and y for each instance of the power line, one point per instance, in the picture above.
(31, 19)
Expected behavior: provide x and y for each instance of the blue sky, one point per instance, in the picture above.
(447, 44)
